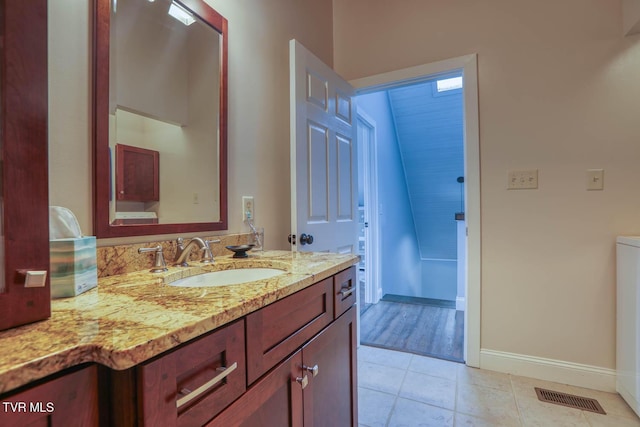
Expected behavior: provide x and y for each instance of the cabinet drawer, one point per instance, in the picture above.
(345, 288)
(191, 385)
(278, 329)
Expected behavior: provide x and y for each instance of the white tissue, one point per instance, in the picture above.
(63, 224)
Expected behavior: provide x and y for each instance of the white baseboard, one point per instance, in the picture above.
(460, 303)
(559, 371)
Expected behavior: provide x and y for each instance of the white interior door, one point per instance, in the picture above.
(368, 172)
(323, 156)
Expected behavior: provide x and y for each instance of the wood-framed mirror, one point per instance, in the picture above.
(160, 117)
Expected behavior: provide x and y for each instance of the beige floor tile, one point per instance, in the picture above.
(410, 390)
(534, 413)
(435, 367)
(463, 420)
(379, 377)
(374, 407)
(484, 378)
(409, 413)
(525, 387)
(488, 403)
(381, 356)
(428, 389)
(612, 403)
(610, 420)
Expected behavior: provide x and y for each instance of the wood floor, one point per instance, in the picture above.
(414, 328)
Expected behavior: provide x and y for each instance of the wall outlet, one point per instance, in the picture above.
(521, 180)
(248, 208)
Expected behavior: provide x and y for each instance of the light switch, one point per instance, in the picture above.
(595, 179)
(522, 179)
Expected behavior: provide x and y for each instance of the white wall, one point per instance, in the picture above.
(259, 32)
(559, 90)
(400, 268)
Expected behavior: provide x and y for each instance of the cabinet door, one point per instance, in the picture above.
(275, 400)
(138, 174)
(68, 401)
(24, 204)
(330, 398)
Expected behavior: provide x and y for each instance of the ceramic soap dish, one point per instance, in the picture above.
(240, 251)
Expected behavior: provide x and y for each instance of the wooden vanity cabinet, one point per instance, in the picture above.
(68, 400)
(300, 368)
(317, 385)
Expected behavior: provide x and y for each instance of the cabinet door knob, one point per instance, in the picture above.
(303, 381)
(311, 369)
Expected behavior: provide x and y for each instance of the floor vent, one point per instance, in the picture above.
(570, 400)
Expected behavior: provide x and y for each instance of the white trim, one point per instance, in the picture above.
(629, 398)
(460, 303)
(469, 66)
(372, 248)
(559, 371)
(416, 74)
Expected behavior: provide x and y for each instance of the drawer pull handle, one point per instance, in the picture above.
(303, 381)
(206, 386)
(345, 292)
(312, 369)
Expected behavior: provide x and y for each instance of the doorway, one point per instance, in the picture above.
(369, 290)
(381, 215)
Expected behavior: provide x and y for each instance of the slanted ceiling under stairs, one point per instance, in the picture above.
(429, 129)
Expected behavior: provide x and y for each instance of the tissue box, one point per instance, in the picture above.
(73, 266)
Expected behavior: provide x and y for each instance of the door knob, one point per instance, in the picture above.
(306, 239)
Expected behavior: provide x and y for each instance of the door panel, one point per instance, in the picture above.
(318, 173)
(330, 398)
(275, 400)
(345, 151)
(323, 156)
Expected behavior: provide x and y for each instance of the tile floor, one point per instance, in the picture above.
(402, 389)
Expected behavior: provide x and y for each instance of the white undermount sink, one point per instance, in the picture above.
(227, 277)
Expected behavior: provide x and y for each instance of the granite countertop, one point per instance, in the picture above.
(133, 317)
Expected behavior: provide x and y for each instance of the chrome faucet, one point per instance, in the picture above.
(183, 251)
(256, 233)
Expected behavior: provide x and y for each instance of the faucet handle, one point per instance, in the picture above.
(207, 255)
(179, 246)
(159, 265)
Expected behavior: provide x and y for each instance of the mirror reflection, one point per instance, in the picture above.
(164, 99)
(160, 117)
